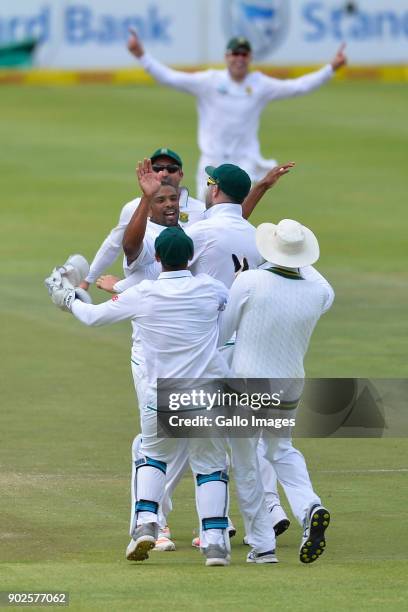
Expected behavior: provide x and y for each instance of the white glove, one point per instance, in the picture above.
(64, 298)
(74, 270)
(61, 290)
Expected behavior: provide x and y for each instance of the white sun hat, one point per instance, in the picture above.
(287, 244)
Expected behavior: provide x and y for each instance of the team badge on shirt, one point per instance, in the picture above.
(114, 298)
(249, 90)
(183, 217)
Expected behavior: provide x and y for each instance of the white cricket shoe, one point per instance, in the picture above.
(266, 557)
(143, 539)
(164, 543)
(313, 541)
(216, 555)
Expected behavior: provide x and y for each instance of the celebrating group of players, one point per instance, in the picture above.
(193, 317)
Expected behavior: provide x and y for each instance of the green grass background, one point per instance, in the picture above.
(68, 411)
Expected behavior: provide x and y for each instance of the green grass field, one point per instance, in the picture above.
(68, 411)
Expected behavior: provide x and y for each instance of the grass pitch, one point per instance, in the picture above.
(68, 411)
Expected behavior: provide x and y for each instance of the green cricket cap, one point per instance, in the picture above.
(168, 153)
(239, 42)
(232, 180)
(174, 247)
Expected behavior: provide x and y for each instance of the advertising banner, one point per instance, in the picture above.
(92, 34)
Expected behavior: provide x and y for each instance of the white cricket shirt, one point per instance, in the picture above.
(177, 320)
(274, 315)
(229, 112)
(222, 233)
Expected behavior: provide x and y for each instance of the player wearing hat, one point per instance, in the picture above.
(274, 311)
(230, 103)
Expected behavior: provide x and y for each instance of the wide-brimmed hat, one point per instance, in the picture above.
(288, 244)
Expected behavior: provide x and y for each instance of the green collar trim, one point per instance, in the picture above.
(292, 274)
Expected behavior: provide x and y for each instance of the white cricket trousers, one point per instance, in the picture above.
(290, 467)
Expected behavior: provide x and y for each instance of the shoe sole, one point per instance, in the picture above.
(141, 551)
(315, 544)
(212, 562)
(281, 527)
(262, 561)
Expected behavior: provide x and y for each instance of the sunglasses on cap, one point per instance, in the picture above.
(211, 182)
(171, 168)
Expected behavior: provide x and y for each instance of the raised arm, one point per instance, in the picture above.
(136, 229)
(259, 189)
(286, 88)
(193, 83)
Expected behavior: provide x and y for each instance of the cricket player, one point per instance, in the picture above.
(274, 311)
(179, 311)
(230, 103)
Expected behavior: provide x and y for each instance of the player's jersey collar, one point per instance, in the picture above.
(175, 274)
(220, 209)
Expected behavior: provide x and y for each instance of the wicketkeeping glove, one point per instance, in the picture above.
(61, 283)
(74, 270)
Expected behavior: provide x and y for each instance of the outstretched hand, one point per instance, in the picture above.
(275, 174)
(148, 180)
(340, 59)
(134, 45)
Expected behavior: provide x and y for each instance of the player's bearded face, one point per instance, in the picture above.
(165, 206)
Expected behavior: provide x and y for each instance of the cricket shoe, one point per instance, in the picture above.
(265, 557)
(279, 519)
(313, 540)
(164, 543)
(195, 543)
(143, 539)
(216, 555)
